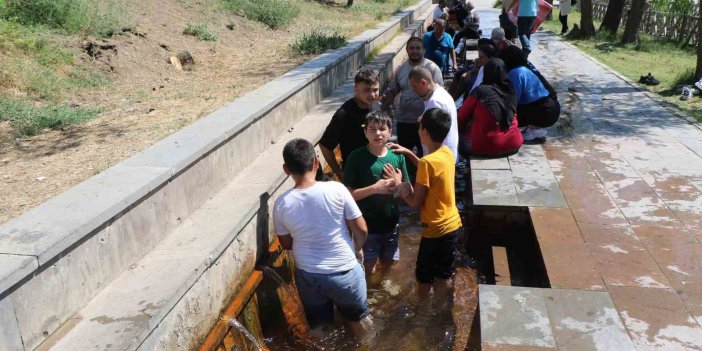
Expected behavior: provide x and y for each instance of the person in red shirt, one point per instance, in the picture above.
(487, 121)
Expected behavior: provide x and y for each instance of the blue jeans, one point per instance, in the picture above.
(321, 292)
(385, 246)
(524, 25)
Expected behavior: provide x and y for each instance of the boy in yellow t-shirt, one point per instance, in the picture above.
(434, 195)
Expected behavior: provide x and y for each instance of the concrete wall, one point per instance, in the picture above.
(58, 256)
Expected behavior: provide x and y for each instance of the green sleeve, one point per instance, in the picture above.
(403, 168)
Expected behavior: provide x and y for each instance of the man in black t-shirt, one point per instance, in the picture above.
(345, 129)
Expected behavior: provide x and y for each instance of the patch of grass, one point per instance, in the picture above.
(318, 41)
(671, 64)
(273, 13)
(94, 16)
(27, 119)
(200, 31)
(36, 64)
(372, 8)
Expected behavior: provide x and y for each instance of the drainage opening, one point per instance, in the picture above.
(502, 244)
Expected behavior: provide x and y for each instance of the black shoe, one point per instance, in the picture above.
(649, 80)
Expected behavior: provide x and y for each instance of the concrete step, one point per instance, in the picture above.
(517, 318)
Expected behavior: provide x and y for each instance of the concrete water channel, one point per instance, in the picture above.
(590, 241)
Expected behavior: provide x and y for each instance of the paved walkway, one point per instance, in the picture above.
(615, 195)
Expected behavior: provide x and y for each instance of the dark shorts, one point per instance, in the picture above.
(385, 246)
(321, 292)
(435, 258)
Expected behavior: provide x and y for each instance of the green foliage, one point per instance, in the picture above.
(273, 13)
(679, 7)
(497, 4)
(318, 41)
(200, 31)
(27, 119)
(94, 16)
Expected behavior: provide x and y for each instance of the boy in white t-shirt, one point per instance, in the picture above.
(313, 220)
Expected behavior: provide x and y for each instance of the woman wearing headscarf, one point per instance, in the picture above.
(487, 121)
(537, 102)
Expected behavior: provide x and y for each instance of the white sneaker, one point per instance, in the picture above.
(687, 93)
(698, 84)
(531, 134)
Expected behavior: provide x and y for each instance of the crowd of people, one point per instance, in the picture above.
(343, 232)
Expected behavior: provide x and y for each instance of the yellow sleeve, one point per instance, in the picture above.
(423, 172)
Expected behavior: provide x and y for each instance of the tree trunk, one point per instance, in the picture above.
(698, 70)
(587, 28)
(633, 22)
(613, 16)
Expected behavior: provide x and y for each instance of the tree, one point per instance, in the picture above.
(698, 70)
(633, 22)
(613, 16)
(587, 28)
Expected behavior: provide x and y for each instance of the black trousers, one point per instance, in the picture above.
(541, 113)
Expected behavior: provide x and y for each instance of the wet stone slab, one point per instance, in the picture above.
(586, 320)
(516, 318)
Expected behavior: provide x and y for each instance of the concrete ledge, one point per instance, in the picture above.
(89, 238)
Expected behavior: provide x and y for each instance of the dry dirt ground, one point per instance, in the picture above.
(147, 98)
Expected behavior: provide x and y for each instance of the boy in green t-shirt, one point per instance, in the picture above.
(372, 173)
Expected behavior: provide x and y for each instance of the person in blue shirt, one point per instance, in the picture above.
(537, 102)
(438, 45)
(525, 20)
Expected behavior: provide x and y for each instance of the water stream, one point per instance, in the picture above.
(240, 327)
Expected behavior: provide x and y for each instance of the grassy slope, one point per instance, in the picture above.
(669, 63)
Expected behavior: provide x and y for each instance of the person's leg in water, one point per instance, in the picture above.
(524, 25)
(348, 290)
(564, 23)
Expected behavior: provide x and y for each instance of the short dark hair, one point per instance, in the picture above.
(299, 155)
(378, 117)
(418, 72)
(415, 39)
(437, 122)
(488, 50)
(366, 75)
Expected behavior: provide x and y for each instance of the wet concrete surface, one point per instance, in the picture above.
(630, 173)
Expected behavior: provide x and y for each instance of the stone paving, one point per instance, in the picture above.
(615, 196)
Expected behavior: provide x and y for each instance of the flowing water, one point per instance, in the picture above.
(240, 327)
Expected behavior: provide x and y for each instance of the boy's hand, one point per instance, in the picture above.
(398, 149)
(390, 172)
(403, 190)
(384, 186)
(359, 256)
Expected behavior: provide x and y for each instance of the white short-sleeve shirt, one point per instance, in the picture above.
(316, 219)
(440, 98)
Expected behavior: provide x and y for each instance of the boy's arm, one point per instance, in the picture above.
(359, 232)
(409, 155)
(414, 197)
(330, 157)
(382, 187)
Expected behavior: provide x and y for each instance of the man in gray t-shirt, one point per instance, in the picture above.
(411, 105)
